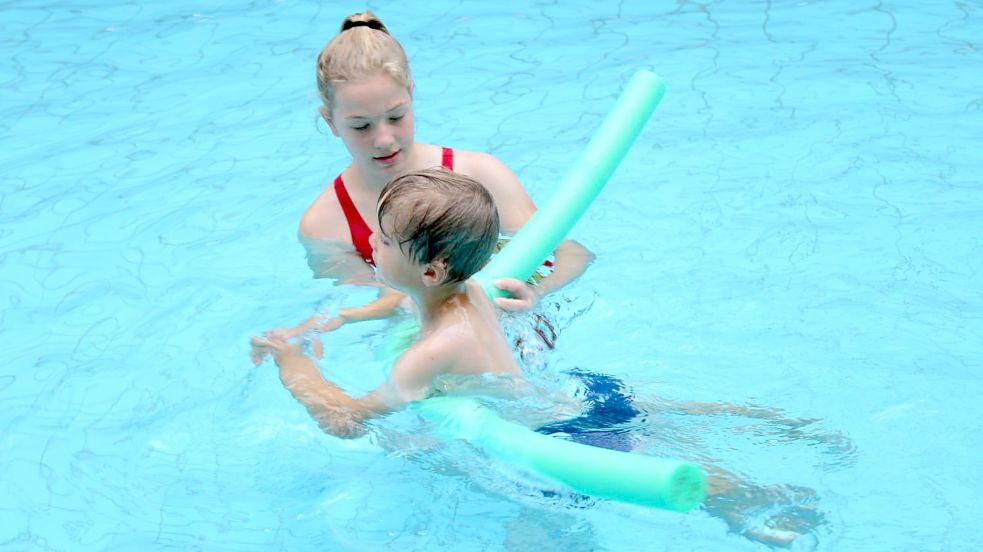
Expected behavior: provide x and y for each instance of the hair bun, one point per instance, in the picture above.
(372, 24)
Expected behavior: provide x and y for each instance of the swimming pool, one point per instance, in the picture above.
(798, 227)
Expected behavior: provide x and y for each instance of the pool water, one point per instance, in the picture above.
(798, 228)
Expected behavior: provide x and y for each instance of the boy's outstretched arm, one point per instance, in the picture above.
(334, 410)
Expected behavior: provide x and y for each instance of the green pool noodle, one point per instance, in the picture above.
(537, 239)
(599, 472)
(616, 475)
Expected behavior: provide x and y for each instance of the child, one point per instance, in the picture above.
(436, 229)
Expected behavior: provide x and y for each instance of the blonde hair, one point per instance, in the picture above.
(363, 46)
(441, 215)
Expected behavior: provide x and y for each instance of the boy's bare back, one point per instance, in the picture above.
(464, 339)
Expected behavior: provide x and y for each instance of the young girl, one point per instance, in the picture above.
(364, 81)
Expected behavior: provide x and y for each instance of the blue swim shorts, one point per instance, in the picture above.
(609, 407)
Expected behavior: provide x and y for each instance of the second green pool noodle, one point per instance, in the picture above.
(550, 224)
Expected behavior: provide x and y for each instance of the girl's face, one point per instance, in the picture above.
(374, 118)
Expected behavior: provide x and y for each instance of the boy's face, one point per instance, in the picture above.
(393, 267)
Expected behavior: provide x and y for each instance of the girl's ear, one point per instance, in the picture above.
(434, 273)
(327, 119)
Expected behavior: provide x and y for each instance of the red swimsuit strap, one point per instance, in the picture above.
(360, 231)
(356, 224)
(447, 159)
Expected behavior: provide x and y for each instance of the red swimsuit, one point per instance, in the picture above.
(360, 231)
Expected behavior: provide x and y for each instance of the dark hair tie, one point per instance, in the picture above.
(372, 24)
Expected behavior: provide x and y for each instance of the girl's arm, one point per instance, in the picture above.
(333, 259)
(515, 207)
(382, 307)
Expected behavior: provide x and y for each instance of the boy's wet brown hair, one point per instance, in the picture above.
(441, 215)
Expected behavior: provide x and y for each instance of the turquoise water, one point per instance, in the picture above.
(798, 227)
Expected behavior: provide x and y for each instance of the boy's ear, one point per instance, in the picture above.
(327, 119)
(434, 273)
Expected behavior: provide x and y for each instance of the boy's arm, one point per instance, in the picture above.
(335, 411)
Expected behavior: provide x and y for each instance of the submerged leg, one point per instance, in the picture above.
(775, 515)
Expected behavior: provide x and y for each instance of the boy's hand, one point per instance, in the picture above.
(273, 345)
(524, 296)
(281, 348)
(278, 344)
(259, 347)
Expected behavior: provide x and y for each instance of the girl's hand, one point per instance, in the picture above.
(524, 298)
